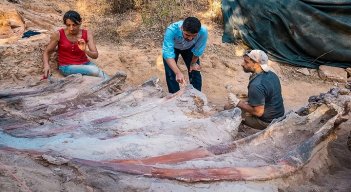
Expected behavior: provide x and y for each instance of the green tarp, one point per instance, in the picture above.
(301, 33)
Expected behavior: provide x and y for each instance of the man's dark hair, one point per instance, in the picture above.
(192, 25)
(73, 16)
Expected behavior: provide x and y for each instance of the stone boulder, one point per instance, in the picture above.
(23, 58)
(12, 24)
(348, 70)
(329, 73)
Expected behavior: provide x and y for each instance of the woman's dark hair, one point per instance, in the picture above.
(192, 25)
(73, 16)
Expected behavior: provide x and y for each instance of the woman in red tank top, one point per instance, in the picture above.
(75, 45)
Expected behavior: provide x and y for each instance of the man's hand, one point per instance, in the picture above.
(82, 44)
(233, 99)
(195, 67)
(180, 78)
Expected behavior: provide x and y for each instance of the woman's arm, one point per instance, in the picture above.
(92, 52)
(54, 39)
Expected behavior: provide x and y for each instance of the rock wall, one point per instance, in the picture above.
(24, 58)
(11, 24)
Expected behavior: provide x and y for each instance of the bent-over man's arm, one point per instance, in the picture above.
(256, 102)
(169, 55)
(254, 110)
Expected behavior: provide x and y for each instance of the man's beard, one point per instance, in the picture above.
(246, 70)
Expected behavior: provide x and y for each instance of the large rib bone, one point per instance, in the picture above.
(139, 131)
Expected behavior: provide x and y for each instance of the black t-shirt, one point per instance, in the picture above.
(264, 89)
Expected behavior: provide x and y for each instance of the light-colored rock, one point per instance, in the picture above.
(348, 70)
(304, 71)
(56, 160)
(276, 68)
(332, 74)
(24, 57)
(11, 23)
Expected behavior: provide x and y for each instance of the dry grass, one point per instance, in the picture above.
(159, 14)
(215, 11)
(107, 17)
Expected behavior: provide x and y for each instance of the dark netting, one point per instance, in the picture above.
(302, 33)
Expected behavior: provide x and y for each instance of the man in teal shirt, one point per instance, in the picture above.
(187, 38)
(265, 100)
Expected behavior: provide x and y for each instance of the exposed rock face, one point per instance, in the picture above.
(23, 58)
(332, 74)
(20, 58)
(348, 70)
(83, 129)
(11, 24)
(304, 71)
